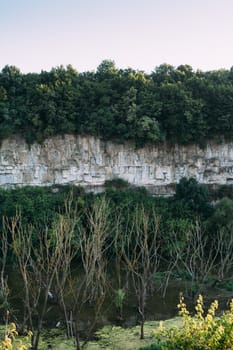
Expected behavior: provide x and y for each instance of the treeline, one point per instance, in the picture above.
(192, 203)
(173, 104)
(39, 205)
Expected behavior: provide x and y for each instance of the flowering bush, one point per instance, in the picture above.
(198, 332)
(11, 340)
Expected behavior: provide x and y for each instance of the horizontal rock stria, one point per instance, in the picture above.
(89, 162)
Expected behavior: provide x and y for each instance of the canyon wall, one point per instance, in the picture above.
(89, 162)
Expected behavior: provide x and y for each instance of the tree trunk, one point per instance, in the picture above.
(78, 347)
(41, 318)
(142, 328)
(142, 301)
(142, 313)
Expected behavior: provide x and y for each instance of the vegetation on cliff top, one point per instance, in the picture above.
(170, 104)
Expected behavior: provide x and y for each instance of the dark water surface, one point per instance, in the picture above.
(157, 307)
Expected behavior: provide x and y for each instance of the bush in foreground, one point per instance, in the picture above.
(198, 332)
(10, 340)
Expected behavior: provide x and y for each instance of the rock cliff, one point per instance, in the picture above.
(88, 161)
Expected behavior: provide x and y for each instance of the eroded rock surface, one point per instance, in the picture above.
(88, 161)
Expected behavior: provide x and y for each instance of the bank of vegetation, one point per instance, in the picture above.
(65, 245)
(169, 104)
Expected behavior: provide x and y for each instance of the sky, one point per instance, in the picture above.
(37, 35)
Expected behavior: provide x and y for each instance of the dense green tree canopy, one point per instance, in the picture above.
(170, 104)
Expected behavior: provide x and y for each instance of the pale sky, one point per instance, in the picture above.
(37, 35)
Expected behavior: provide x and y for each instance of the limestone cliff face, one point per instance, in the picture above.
(88, 161)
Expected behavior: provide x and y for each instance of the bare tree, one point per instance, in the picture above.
(224, 241)
(195, 254)
(94, 245)
(43, 263)
(140, 253)
(4, 289)
(22, 248)
(89, 287)
(121, 277)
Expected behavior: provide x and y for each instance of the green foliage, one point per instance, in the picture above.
(195, 196)
(223, 214)
(227, 285)
(199, 332)
(221, 221)
(119, 297)
(154, 346)
(10, 340)
(39, 207)
(171, 104)
(224, 191)
(116, 183)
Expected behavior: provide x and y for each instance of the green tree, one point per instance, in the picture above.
(194, 195)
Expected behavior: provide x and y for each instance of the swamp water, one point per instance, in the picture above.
(157, 307)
